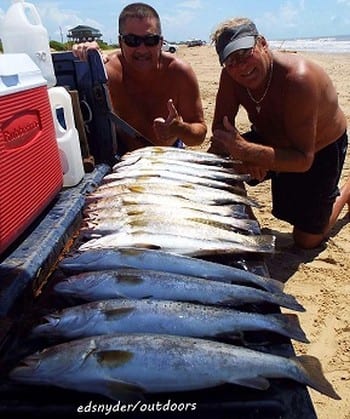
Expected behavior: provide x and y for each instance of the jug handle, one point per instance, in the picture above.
(29, 9)
(59, 97)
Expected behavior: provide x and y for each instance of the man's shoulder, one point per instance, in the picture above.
(176, 64)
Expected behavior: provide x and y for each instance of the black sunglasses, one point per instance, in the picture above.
(134, 41)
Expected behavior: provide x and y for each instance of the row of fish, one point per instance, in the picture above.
(126, 345)
(173, 204)
(153, 317)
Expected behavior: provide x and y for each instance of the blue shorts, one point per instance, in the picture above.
(306, 199)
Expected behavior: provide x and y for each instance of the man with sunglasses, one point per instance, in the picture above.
(155, 92)
(298, 137)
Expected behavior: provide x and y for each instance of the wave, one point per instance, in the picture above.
(331, 44)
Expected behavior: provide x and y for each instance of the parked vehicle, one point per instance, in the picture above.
(195, 43)
(169, 47)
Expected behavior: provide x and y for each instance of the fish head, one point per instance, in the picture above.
(74, 262)
(77, 284)
(54, 363)
(53, 324)
(46, 325)
(39, 368)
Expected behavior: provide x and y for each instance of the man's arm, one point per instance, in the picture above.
(300, 121)
(226, 104)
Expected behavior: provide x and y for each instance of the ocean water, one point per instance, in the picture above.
(335, 44)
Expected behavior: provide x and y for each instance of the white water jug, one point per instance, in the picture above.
(23, 32)
(67, 136)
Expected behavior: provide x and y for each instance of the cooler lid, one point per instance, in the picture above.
(18, 72)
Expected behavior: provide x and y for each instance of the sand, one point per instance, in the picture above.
(318, 278)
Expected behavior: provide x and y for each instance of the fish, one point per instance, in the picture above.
(168, 176)
(179, 168)
(151, 161)
(161, 316)
(164, 261)
(145, 283)
(133, 198)
(166, 209)
(172, 187)
(180, 241)
(123, 366)
(134, 215)
(177, 154)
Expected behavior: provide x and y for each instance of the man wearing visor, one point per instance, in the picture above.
(298, 135)
(155, 92)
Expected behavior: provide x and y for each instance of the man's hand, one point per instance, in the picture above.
(80, 50)
(256, 172)
(165, 129)
(232, 143)
(229, 140)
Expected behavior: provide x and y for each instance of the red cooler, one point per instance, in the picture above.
(31, 173)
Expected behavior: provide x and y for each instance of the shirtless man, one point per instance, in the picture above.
(155, 92)
(298, 136)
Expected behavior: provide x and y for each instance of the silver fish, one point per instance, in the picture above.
(145, 283)
(139, 214)
(190, 169)
(121, 366)
(180, 242)
(161, 316)
(159, 186)
(151, 161)
(133, 198)
(178, 154)
(158, 260)
(168, 176)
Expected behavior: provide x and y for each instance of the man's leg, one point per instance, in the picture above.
(310, 241)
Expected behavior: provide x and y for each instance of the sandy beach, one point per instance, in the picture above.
(318, 278)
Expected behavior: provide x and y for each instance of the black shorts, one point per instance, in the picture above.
(306, 200)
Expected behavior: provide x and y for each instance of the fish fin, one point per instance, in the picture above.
(260, 383)
(120, 390)
(112, 358)
(118, 313)
(313, 375)
(147, 246)
(131, 280)
(136, 188)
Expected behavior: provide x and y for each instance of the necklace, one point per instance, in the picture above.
(257, 102)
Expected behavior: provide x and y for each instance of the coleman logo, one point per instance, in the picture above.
(21, 128)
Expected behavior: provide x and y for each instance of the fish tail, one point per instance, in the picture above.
(287, 301)
(290, 325)
(266, 242)
(312, 373)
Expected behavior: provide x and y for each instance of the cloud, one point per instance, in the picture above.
(178, 21)
(57, 19)
(191, 4)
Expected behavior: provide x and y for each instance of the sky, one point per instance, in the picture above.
(196, 19)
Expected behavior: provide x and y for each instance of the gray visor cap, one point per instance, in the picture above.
(233, 39)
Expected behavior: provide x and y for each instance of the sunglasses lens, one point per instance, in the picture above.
(134, 41)
(151, 40)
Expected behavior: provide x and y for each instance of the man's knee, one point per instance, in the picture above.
(306, 240)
